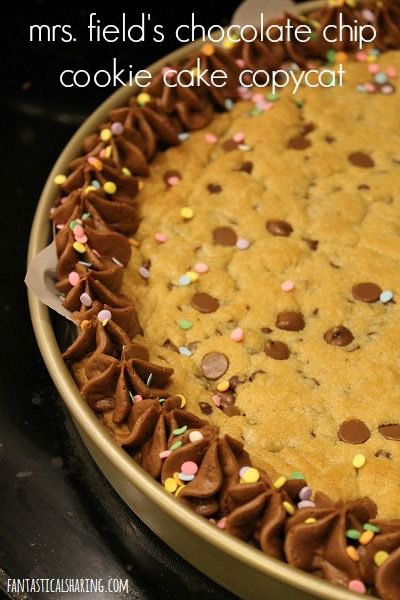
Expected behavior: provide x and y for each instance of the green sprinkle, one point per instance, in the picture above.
(162, 400)
(175, 446)
(370, 527)
(184, 324)
(179, 431)
(272, 97)
(256, 112)
(85, 216)
(132, 397)
(296, 475)
(353, 534)
(313, 35)
(331, 57)
(299, 103)
(73, 224)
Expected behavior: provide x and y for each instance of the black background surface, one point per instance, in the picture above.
(59, 517)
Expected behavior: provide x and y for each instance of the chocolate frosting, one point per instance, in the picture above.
(129, 392)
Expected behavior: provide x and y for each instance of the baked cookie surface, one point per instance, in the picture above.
(262, 228)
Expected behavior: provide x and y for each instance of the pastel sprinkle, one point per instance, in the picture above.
(211, 138)
(74, 223)
(287, 286)
(184, 280)
(201, 267)
(186, 478)
(143, 98)
(60, 179)
(187, 213)
(353, 534)
(170, 485)
(356, 586)
(237, 334)
(180, 430)
(85, 299)
(252, 475)
(223, 386)
(221, 523)
(189, 467)
(386, 296)
(373, 68)
(81, 238)
(370, 527)
(95, 162)
(392, 72)
(74, 278)
(192, 275)
(173, 180)
(195, 436)
(306, 504)
(229, 104)
(381, 78)
(184, 324)
(352, 553)
(117, 128)
(164, 453)
(361, 56)
(280, 482)
(104, 315)
(183, 400)
(117, 262)
(243, 470)
(238, 137)
(183, 136)
(160, 237)
(149, 379)
(290, 509)
(380, 557)
(185, 351)
(359, 461)
(128, 173)
(105, 135)
(242, 244)
(137, 398)
(176, 445)
(89, 188)
(366, 537)
(305, 493)
(145, 273)
(217, 400)
(310, 520)
(79, 247)
(109, 187)
(296, 475)
(78, 231)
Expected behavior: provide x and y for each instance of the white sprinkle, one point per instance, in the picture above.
(117, 262)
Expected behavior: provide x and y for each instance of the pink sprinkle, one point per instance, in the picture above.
(211, 138)
(217, 400)
(305, 493)
(361, 56)
(391, 72)
(243, 470)
(370, 87)
(85, 299)
(160, 237)
(244, 93)
(387, 89)
(357, 586)
(173, 180)
(368, 15)
(237, 335)
(137, 398)
(96, 253)
(81, 238)
(221, 523)
(63, 200)
(242, 244)
(168, 72)
(240, 63)
(306, 504)
(104, 315)
(287, 286)
(256, 98)
(117, 128)
(238, 137)
(74, 278)
(78, 230)
(60, 226)
(201, 267)
(262, 105)
(103, 153)
(164, 453)
(213, 521)
(374, 68)
(189, 468)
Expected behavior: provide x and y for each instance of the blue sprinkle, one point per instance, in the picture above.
(95, 183)
(184, 477)
(183, 136)
(184, 351)
(184, 280)
(374, 52)
(381, 78)
(229, 104)
(361, 88)
(386, 296)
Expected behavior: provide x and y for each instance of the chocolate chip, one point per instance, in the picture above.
(277, 227)
(339, 336)
(214, 365)
(390, 432)
(277, 350)
(383, 454)
(224, 236)
(363, 186)
(353, 431)
(230, 145)
(235, 381)
(204, 303)
(214, 188)
(169, 174)
(290, 321)
(247, 167)
(299, 142)
(254, 375)
(330, 139)
(360, 159)
(312, 244)
(170, 346)
(366, 292)
(230, 410)
(266, 330)
(307, 128)
(205, 408)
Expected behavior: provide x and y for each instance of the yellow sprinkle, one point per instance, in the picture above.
(96, 163)
(380, 557)
(372, 58)
(366, 537)
(170, 485)
(341, 57)
(227, 44)
(104, 322)
(359, 461)
(126, 171)
(105, 134)
(352, 553)
(178, 490)
(252, 475)
(183, 400)
(187, 213)
(310, 520)
(107, 152)
(89, 188)
(223, 386)
(140, 185)
(79, 247)
(280, 482)
(60, 179)
(177, 480)
(192, 275)
(143, 98)
(208, 49)
(109, 187)
(290, 509)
